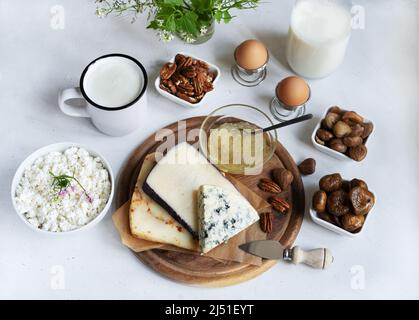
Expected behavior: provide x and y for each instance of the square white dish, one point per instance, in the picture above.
(316, 219)
(331, 152)
(212, 68)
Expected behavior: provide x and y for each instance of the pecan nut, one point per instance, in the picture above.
(180, 60)
(189, 72)
(167, 70)
(186, 97)
(266, 222)
(279, 204)
(268, 185)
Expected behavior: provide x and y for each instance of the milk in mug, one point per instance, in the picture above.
(318, 36)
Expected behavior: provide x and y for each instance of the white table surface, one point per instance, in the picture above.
(379, 78)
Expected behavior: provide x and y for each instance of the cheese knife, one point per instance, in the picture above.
(319, 258)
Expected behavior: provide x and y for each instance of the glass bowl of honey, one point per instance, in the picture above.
(232, 139)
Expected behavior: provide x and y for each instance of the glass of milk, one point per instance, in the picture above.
(318, 36)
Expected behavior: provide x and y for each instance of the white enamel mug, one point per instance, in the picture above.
(115, 120)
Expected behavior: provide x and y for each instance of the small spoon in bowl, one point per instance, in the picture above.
(288, 122)
(285, 123)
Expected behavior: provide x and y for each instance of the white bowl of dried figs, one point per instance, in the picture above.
(343, 134)
(187, 80)
(342, 206)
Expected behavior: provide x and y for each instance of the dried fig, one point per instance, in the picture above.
(338, 203)
(352, 141)
(358, 153)
(308, 166)
(324, 135)
(362, 200)
(335, 109)
(331, 182)
(352, 116)
(330, 120)
(329, 218)
(337, 145)
(346, 185)
(282, 177)
(341, 129)
(358, 183)
(357, 130)
(319, 201)
(368, 127)
(321, 142)
(352, 222)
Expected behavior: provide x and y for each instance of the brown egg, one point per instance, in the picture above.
(293, 91)
(251, 54)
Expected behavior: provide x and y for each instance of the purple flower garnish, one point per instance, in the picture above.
(89, 198)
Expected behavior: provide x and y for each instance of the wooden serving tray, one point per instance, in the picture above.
(200, 270)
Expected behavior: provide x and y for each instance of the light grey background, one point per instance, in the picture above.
(379, 79)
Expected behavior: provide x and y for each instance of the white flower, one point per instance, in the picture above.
(203, 30)
(166, 36)
(187, 37)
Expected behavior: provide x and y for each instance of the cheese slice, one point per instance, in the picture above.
(175, 180)
(222, 215)
(150, 221)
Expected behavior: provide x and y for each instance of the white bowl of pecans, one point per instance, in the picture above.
(187, 80)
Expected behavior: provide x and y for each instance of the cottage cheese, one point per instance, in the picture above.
(38, 202)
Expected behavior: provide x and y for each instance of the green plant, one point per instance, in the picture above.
(187, 18)
(61, 185)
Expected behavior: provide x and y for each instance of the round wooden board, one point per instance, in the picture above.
(204, 271)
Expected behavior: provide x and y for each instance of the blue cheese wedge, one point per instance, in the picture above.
(221, 215)
(174, 182)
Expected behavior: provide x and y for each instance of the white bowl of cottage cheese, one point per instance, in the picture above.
(62, 188)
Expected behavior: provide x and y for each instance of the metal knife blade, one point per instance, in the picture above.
(267, 249)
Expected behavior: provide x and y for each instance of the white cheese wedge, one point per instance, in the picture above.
(149, 221)
(175, 180)
(222, 215)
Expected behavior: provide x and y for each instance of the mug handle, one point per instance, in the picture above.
(73, 111)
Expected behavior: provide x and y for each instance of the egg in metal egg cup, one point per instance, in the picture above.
(245, 75)
(282, 111)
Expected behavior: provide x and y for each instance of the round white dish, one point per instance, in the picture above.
(60, 147)
(330, 151)
(212, 67)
